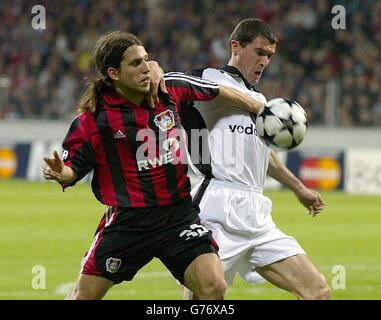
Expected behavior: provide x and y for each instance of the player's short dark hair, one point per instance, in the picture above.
(249, 29)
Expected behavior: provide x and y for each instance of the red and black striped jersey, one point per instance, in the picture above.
(137, 153)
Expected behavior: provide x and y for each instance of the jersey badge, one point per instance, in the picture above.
(113, 264)
(165, 120)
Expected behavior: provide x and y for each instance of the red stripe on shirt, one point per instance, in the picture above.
(127, 159)
(76, 139)
(188, 94)
(106, 186)
(158, 175)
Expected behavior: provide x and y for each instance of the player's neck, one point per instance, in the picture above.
(238, 71)
(130, 95)
(231, 63)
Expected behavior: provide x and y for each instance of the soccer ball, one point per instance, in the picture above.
(282, 123)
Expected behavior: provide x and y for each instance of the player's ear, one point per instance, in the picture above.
(113, 73)
(234, 46)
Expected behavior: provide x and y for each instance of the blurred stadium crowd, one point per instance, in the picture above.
(43, 72)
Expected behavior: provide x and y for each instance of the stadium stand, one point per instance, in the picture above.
(43, 72)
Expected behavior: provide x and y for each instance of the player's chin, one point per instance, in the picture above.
(255, 80)
(145, 89)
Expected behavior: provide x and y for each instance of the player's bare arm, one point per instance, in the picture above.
(311, 199)
(157, 80)
(237, 98)
(55, 169)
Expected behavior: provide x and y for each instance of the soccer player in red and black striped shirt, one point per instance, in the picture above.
(137, 156)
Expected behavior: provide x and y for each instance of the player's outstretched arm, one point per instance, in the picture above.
(55, 169)
(238, 99)
(311, 199)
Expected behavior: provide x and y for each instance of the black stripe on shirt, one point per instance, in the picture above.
(145, 180)
(114, 163)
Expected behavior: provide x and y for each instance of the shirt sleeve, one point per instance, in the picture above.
(183, 87)
(77, 151)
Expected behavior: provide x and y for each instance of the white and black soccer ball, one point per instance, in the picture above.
(282, 123)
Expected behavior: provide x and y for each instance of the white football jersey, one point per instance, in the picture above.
(237, 153)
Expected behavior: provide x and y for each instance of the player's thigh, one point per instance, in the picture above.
(296, 274)
(267, 249)
(89, 287)
(233, 264)
(205, 270)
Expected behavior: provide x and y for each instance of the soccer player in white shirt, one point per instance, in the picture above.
(231, 194)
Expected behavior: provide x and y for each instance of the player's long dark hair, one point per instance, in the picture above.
(108, 52)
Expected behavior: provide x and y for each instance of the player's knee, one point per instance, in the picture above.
(318, 290)
(213, 291)
(324, 291)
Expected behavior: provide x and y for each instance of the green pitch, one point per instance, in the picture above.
(44, 230)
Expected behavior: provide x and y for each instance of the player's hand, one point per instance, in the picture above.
(311, 199)
(157, 80)
(55, 169)
(52, 167)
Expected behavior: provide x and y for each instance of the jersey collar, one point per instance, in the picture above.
(234, 71)
(112, 98)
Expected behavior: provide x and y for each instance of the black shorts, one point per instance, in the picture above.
(129, 238)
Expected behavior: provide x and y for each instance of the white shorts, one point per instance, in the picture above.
(241, 222)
